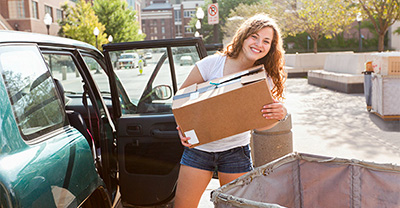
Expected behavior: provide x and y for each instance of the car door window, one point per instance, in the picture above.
(63, 68)
(31, 90)
(138, 85)
(185, 58)
(98, 75)
(142, 87)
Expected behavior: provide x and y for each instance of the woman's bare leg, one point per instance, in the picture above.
(192, 182)
(225, 178)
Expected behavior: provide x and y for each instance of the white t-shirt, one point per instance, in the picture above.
(210, 68)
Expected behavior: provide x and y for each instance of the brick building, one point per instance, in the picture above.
(28, 15)
(162, 19)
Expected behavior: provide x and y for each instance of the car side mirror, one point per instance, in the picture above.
(162, 92)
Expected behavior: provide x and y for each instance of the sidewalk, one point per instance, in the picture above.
(335, 124)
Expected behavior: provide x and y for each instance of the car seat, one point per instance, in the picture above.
(75, 118)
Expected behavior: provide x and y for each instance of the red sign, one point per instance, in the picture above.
(213, 16)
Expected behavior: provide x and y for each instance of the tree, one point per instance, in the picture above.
(240, 13)
(382, 14)
(81, 22)
(119, 20)
(318, 18)
(224, 7)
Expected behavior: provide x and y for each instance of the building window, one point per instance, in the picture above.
(178, 30)
(188, 29)
(189, 14)
(177, 14)
(163, 30)
(48, 9)
(60, 14)
(35, 12)
(163, 22)
(153, 30)
(16, 9)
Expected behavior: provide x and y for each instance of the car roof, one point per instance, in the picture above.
(7, 36)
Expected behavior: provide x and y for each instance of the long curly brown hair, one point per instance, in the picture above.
(274, 61)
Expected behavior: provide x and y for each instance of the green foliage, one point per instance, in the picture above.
(81, 22)
(317, 18)
(242, 12)
(382, 14)
(119, 20)
(337, 43)
(67, 10)
(224, 7)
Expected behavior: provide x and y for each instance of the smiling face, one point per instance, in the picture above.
(258, 44)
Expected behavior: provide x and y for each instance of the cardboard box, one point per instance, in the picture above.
(223, 107)
(386, 63)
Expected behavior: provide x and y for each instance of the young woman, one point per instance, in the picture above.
(257, 41)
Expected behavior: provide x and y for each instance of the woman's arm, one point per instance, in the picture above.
(193, 77)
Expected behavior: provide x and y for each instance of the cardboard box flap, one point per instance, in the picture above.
(190, 89)
(252, 78)
(239, 75)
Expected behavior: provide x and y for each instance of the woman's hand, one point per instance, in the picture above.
(274, 110)
(184, 140)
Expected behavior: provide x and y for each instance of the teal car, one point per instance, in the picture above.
(77, 132)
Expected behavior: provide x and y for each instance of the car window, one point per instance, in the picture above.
(136, 76)
(31, 90)
(145, 78)
(98, 75)
(63, 68)
(184, 61)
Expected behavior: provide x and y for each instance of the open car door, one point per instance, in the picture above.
(149, 148)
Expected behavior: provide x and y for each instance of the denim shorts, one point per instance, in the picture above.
(236, 160)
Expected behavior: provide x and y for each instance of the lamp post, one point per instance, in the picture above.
(308, 44)
(359, 19)
(47, 21)
(96, 33)
(200, 16)
(110, 38)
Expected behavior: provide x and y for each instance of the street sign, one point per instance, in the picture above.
(213, 16)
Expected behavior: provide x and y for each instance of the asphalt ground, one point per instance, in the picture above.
(330, 123)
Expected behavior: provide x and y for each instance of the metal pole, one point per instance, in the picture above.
(96, 41)
(359, 37)
(216, 31)
(201, 28)
(48, 29)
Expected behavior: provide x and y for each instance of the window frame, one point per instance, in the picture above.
(35, 9)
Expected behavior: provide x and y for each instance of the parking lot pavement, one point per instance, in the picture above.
(337, 124)
(329, 123)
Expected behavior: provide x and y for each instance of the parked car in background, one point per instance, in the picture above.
(148, 55)
(74, 130)
(128, 61)
(186, 60)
